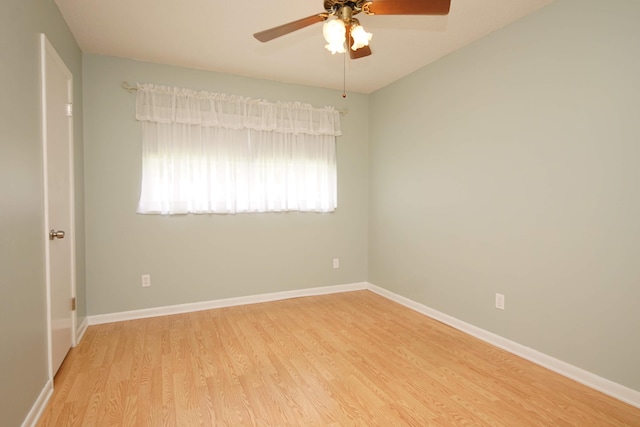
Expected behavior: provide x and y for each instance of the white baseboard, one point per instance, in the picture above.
(227, 302)
(81, 330)
(36, 410)
(618, 391)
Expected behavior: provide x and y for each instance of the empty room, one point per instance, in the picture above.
(320, 213)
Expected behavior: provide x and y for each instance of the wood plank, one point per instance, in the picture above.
(354, 358)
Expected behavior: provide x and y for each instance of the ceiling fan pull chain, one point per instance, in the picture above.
(344, 75)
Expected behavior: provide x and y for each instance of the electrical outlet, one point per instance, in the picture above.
(336, 263)
(500, 301)
(146, 280)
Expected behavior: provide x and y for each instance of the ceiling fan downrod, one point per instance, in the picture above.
(346, 14)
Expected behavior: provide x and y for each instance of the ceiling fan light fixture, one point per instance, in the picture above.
(360, 37)
(339, 16)
(334, 33)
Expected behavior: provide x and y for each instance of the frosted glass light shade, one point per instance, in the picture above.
(334, 33)
(360, 37)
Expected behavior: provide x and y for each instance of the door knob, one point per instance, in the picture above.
(53, 234)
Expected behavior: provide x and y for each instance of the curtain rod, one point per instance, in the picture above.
(131, 89)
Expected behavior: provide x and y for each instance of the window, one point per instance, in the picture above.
(213, 153)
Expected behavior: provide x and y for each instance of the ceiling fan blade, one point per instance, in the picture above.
(407, 7)
(356, 54)
(360, 53)
(272, 33)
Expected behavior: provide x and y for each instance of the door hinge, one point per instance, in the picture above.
(69, 110)
(73, 304)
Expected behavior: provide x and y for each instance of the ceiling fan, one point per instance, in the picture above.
(346, 28)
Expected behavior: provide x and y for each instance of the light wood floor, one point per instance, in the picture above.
(351, 359)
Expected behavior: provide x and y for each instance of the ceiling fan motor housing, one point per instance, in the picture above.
(343, 9)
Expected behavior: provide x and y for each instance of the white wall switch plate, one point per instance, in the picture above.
(500, 301)
(146, 280)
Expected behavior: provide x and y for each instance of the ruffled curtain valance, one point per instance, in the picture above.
(163, 104)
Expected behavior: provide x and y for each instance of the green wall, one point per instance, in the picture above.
(23, 331)
(193, 258)
(508, 166)
(511, 166)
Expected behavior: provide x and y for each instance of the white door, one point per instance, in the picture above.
(57, 86)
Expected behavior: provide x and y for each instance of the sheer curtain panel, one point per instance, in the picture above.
(213, 153)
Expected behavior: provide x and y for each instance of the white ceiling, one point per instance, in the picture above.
(217, 35)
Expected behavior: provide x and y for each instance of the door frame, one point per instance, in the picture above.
(47, 47)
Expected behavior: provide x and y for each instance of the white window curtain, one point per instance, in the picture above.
(213, 153)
